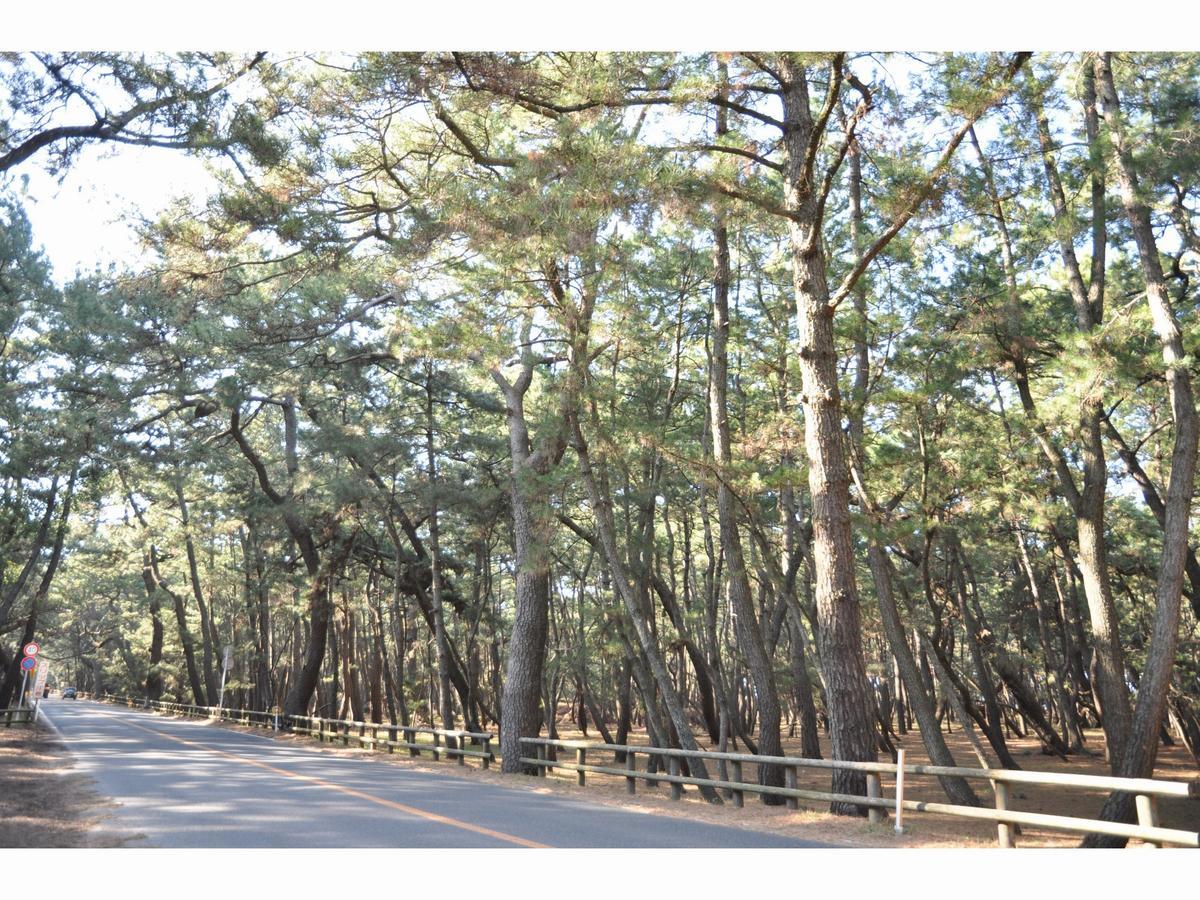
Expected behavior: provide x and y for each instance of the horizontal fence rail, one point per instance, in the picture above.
(17, 715)
(671, 762)
(444, 742)
(1146, 791)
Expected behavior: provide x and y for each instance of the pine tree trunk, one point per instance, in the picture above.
(519, 715)
(737, 584)
(211, 686)
(839, 639)
(1141, 748)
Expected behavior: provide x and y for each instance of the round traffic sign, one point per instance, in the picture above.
(28, 664)
(31, 649)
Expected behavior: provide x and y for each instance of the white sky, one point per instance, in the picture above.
(87, 221)
(614, 24)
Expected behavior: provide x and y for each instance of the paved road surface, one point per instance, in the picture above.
(185, 783)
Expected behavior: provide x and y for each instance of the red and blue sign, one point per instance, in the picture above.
(28, 664)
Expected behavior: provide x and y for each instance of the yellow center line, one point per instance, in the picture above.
(391, 804)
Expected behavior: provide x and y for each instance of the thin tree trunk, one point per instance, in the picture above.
(602, 509)
(1140, 750)
(211, 686)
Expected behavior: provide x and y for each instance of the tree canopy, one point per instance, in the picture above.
(725, 396)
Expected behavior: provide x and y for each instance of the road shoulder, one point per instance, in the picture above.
(45, 800)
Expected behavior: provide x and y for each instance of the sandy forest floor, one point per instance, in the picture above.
(45, 803)
(44, 800)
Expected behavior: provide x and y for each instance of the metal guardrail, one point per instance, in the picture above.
(1146, 791)
(16, 715)
(366, 734)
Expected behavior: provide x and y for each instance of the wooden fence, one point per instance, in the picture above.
(1146, 791)
(444, 742)
(16, 715)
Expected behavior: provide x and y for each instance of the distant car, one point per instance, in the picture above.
(68, 693)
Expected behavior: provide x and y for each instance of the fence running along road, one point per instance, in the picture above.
(16, 715)
(1146, 791)
(181, 782)
(366, 734)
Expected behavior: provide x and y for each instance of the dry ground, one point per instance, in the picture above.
(815, 823)
(44, 800)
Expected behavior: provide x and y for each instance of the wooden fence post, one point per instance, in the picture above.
(631, 766)
(580, 759)
(790, 782)
(1147, 814)
(737, 795)
(874, 792)
(1003, 829)
(673, 769)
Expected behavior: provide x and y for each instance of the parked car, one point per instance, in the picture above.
(68, 693)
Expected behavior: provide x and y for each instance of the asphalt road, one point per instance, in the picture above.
(186, 783)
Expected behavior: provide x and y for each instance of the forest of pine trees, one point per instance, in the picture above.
(720, 398)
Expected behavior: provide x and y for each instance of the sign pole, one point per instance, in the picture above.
(226, 659)
(29, 662)
(39, 686)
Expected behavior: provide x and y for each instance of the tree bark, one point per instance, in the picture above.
(737, 583)
(1087, 504)
(602, 509)
(211, 686)
(852, 728)
(1140, 750)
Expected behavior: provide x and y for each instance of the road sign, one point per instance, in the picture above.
(39, 680)
(226, 665)
(39, 687)
(28, 664)
(31, 649)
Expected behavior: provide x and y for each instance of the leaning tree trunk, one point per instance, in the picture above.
(1087, 503)
(957, 789)
(13, 674)
(211, 687)
(152, 574)
(319, 614)
(154, 678)
(445, 701)
(602, 509)
(737, 584)
(1141, 748)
